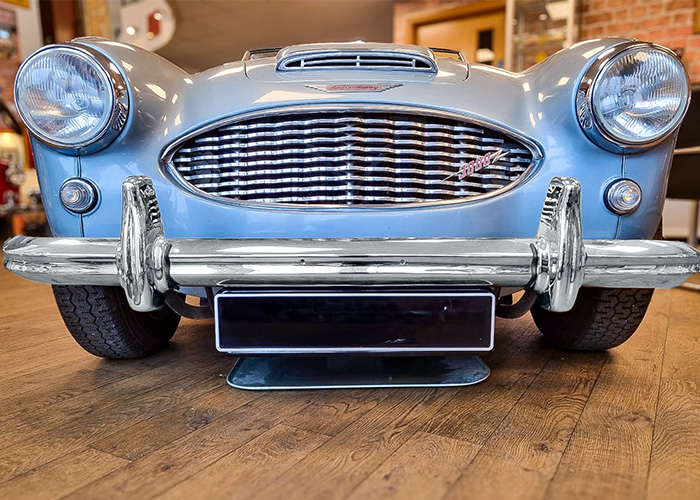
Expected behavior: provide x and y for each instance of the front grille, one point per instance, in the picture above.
(350, 157)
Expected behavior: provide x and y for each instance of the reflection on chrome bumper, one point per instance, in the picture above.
(556, 263)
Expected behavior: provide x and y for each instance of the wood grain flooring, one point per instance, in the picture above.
(547, 424)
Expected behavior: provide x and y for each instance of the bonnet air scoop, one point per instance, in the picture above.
(357, 56)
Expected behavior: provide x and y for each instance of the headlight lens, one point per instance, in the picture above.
(636, 98)
(65, 97)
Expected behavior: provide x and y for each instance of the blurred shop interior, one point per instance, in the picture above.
(199, 34)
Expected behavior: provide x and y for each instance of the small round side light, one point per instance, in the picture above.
(623, 197)
(78, 195)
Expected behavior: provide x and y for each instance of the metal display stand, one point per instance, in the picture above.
(349, 372)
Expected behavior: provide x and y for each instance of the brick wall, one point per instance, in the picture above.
(667, 22)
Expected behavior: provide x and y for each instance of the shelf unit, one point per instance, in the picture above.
(536, 29)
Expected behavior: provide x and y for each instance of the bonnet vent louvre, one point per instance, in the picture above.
(357, 60)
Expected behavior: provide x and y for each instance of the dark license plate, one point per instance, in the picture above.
(362, 322)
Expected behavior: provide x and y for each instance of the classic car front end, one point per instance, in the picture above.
(352, 177)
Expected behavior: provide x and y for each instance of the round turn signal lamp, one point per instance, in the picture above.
(78, 195)
(623, 197)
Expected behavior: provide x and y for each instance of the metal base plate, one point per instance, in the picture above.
(341, 372)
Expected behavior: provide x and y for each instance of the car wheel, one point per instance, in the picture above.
(602, 318)
(101, 321)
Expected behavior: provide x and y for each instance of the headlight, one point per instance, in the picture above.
(70, 97)
(633, 98)
(14, 175)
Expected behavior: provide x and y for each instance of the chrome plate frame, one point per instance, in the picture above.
(355, 350)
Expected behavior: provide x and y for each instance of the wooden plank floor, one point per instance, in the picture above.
(546, 424)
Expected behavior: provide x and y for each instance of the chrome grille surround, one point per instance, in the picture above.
(349, 156)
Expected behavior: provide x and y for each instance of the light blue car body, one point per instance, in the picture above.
(167, 103)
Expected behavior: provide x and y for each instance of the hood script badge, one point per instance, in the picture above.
(355, 87)
(478, 163)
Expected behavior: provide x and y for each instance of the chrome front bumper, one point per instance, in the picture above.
(555, 264)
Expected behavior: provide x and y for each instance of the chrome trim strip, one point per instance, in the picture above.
(354, 87)
(338, 350)
(169, 169)
(554, 264)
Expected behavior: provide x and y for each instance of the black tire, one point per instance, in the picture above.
(602, 318)
(101, 321)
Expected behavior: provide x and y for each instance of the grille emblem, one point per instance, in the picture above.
(479, 163)
(355, 87)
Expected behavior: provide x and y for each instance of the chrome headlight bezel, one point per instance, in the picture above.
(588, 117)
(118, 100)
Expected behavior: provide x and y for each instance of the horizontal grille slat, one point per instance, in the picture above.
(401, 125)
(380, 189)
(326, 159)
(325, 135)
(343, 179)
(347, 153)
(351, 157)
(343, 140)
(280, 174)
